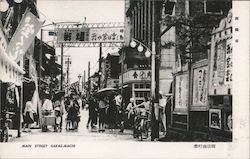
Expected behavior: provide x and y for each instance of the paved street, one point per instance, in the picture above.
(83, 134)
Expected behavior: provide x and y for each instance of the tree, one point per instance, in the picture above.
(193, 32)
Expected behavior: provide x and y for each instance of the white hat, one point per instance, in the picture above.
(131, 99)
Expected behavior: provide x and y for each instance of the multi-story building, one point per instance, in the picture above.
(142, 24)
(190, 25)
(14, 79)
(182, 31)
(110, 70)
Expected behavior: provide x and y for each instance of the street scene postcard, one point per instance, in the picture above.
(124, 79)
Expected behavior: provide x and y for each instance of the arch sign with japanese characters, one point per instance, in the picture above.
(90, 34)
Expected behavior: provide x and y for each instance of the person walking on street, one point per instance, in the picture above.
(92, 113)
(162, 111)
(102, 114)
(111, 114)
(47, 108)
(130, 113)
(28, 116)
(119, 118)
(75, 111)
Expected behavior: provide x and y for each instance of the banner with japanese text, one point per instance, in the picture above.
(200, 87)
(106, 34)
(181, 91)
(229, 63)
(92, 35)
(23, 36)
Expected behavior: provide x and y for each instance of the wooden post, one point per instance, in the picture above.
(100, 65)
(61, 67)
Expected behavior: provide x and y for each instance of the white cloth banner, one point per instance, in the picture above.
(23, 37)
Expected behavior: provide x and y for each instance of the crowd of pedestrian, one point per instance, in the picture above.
(107, 112)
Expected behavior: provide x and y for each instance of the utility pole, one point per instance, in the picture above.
(68, 62)
(84, 77)
(100, 65)
(155, 69)
(61, 66)
(89, 80)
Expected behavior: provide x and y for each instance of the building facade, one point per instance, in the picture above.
(192, 112)
(110, 70)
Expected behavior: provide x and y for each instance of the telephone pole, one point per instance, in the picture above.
(100, 65)
(89, 80)
(84, 82)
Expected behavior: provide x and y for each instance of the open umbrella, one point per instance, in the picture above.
(106, 92)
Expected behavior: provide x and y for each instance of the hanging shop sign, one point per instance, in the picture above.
(220, 75)
(181, 91)
(137, 75)
(23, 37)
(200, 86)
(215, 118)
(90, 35)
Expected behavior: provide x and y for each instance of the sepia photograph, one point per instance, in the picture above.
(150, 72)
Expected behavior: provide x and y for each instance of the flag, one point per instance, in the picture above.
(23, 36)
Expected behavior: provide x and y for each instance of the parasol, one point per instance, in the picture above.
(106, 92)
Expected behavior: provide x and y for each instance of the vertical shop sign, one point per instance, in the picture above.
(181, 91)
(24, 35)
(229, 63)
(219, 62)
(200, 79)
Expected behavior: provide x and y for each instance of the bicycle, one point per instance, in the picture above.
(142, 126)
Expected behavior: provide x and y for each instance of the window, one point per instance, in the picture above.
(217, 7)
(141, 85)
(169, 7)
(147, 85)
(136, 85)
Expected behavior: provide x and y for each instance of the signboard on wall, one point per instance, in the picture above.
(137, 75)
(181, 91)
(200, 86)
(229, 63)
(220, 75)
(91, 35)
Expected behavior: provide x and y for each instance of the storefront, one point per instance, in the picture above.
(10, 85)
(220, 82)
(136, 84)
(202, 103)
